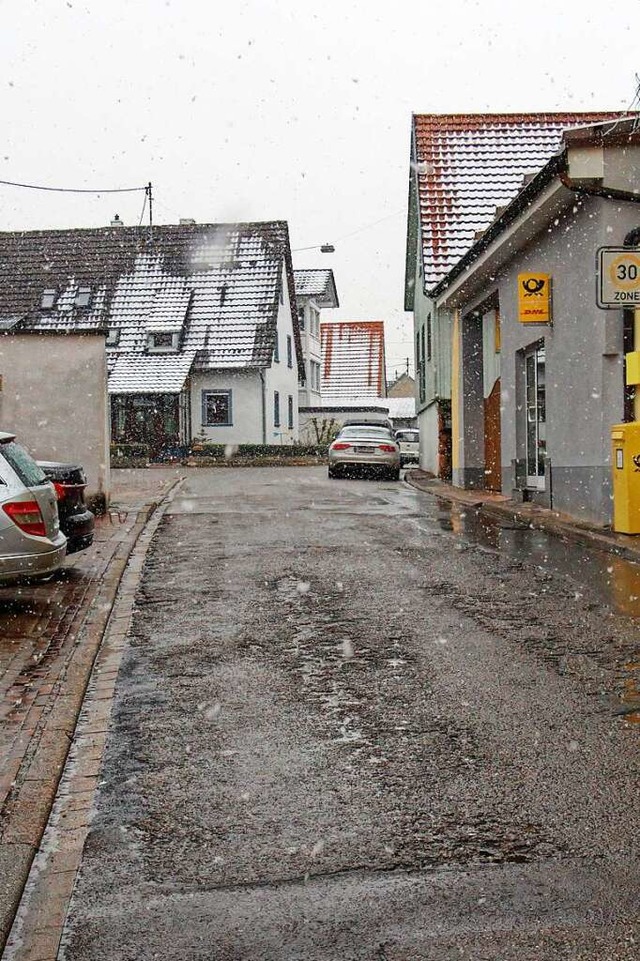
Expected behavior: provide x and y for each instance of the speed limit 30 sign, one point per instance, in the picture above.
(618, 277)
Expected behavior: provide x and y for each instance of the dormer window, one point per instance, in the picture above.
(49, 298)
(83, 297)
(162, 342)
(113, 336)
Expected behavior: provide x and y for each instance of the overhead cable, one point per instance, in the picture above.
(74, 190)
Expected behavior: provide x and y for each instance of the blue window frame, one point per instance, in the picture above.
(217, 408)
(290, 412)
(289, 351)
(276, 409)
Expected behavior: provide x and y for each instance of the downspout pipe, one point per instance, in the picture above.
(264, 406)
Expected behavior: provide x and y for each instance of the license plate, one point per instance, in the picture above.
(363, 450)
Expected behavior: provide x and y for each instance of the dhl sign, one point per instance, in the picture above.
(534, 298)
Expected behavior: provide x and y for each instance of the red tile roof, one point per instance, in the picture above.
(467, 165)
(353, 363)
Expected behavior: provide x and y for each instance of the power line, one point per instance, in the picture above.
(74, 190)
(352, 233)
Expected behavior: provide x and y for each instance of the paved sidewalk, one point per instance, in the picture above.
(532, 515)
(49, 635)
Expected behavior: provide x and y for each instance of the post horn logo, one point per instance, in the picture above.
(636, 461)
(533, 286)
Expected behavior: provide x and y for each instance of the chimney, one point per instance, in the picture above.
(116, 222)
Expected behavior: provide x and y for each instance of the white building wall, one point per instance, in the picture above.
(429, 438)
(54, 397)
(246, 406)
(283, 378)
(309, 396)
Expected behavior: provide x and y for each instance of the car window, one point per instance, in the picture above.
(408, 436)
(373, 432)
(23, 464)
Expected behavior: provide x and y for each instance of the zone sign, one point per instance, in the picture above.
(618, 277)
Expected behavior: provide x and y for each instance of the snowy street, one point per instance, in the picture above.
(345, 730)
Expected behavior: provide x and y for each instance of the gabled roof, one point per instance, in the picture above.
(465, 167)
(619, 134)
(317, 284)
(353, 359)
(216, 286)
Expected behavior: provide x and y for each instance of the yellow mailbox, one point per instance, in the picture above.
(625, 463)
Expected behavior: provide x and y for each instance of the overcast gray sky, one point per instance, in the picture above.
(263, 109)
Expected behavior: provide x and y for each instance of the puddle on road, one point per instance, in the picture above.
(613, 580)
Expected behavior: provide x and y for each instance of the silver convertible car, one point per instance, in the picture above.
(365, 447)
(31, 544)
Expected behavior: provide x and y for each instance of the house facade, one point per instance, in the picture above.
(540, 373)
(315, 290)
(464, 169)
(201, 324)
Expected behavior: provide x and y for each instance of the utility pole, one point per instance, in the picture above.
(147, 190)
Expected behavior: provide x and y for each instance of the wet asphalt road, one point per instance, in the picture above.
(346, 730)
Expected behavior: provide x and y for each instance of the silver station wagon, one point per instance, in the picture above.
(31, 543)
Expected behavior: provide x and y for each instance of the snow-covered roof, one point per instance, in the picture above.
(215, 286)
(401, 407)
(468, 165)
(317, 284)
(353, 361)
(149, 374)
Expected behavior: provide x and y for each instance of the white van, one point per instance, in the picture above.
(408, 441)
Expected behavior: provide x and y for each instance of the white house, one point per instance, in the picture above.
(315, 290)
(202, 330)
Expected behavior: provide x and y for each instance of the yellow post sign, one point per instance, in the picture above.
(534, 298)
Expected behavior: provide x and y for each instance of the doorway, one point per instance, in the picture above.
(535, 414)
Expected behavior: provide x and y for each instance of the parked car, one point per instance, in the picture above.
(77, 522)
(409, 442)
(31, 542)
(365, 447)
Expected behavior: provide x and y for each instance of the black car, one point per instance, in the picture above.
(77, 522)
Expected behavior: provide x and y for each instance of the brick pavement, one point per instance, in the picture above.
(49, 635)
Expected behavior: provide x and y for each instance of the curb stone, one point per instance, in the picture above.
(49, 796)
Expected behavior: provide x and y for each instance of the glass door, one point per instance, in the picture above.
(536, 417)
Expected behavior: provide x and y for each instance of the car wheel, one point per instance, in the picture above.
(394, 475)
(331, 473)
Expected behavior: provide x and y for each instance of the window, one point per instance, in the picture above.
(289, 351)
(314, 322)
(314, 375)
(216, 408)
(276, 409)
(429, 337)
(22, 463)
(113, 336)
(290, 412)
(83, 297)
(162, 341)
(301, 317)
(420, 363)
(49, 298)
(276, 349)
